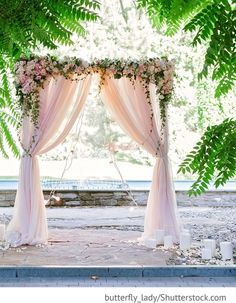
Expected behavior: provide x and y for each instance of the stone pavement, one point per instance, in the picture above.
(88, 236)
(121, 282)
(106, 236)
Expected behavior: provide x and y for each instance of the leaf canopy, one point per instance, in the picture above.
(213, 157)
(214, 24)
(24, 25)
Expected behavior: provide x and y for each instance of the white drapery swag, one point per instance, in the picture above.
(129, 106)
(60, 104)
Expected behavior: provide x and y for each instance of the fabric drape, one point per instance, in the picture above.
(129, 106)
(61, 101)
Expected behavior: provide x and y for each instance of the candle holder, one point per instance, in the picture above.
(185, 241)
(226, 249)
(206, 253)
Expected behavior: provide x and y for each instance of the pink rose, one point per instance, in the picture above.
(23, 78)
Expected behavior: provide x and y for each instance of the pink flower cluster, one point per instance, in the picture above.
(31, 74)
(161, 73)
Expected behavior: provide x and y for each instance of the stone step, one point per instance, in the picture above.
(113, 271)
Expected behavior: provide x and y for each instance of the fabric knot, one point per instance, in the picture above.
(26, 154)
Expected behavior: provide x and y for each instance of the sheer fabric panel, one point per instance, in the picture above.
(61, 101)
(129, 106)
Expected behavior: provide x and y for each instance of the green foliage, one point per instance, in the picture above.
(171, 13)
(9, 115)
(24, 25)
(217, 24)
(213, 157)
(213, 21)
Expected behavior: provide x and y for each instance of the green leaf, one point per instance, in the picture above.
(219, 161)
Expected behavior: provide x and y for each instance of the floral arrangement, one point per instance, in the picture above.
(33, 73)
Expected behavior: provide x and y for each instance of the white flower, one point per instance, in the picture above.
(151, 68)
(84, 63)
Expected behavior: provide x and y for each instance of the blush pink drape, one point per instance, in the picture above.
(129, 107)
(61, 101)
(60, 104)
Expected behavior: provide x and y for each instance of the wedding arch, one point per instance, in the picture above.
(52, 94)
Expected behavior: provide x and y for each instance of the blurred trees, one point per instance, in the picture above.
(213, 23)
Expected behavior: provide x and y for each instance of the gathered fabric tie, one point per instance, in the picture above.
(26, 154)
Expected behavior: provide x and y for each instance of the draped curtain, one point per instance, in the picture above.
(61, 101)
(129, 106)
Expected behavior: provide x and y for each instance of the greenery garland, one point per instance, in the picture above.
(32, 74)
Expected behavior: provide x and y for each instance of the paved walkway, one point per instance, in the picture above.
(121, 282)
(107, 236)
(88, 236)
